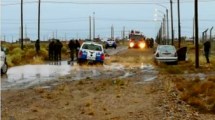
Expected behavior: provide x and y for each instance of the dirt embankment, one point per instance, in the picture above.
(129, 98)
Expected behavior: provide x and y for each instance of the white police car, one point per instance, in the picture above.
(91, 52)
(4, 65)
(110, 43)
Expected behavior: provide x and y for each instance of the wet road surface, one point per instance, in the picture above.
(52, 73)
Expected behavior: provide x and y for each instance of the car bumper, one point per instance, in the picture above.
(89, 61)
(110, 45)
(167, 59)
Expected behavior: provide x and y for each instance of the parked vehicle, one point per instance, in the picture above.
(4, 65)
(166, 53)
(91, 52)
(110, 43)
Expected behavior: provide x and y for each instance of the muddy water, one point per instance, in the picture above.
(54, 73)
(26, 76)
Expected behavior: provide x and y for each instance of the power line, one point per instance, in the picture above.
(116, 2)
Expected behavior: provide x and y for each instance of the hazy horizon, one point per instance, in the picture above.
(70, 18)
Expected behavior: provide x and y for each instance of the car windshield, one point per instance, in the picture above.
(166, 48)
(92, 47)
(110, 40)
(136, 37)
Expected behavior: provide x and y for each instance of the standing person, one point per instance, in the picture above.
(59, 46)
(72, 47)
(51, 50)
(207, 46)
(55, 50)
(37, 46)
(77, 46)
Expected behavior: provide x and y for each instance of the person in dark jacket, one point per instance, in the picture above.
(207, 46)
(37, 46)
(58, 47)
(72, 47)
(51, 50)
(77, 46)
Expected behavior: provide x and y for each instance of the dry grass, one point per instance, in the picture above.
(197, 93)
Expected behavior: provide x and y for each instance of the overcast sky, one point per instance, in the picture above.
(70, 18)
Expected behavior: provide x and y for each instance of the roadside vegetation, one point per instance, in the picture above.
(17, 56)
(195, 91)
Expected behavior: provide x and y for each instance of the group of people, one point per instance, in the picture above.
(55, 47)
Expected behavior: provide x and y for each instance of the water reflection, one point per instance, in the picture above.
(31, 74)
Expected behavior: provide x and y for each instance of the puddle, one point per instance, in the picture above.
(51, 74)
(29, 75)
(201, 76)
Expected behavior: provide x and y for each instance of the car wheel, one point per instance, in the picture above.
(4, 69)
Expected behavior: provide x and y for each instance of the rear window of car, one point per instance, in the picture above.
(166, 48)
(92, 47)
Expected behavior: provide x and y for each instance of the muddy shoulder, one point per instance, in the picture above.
(125, 98)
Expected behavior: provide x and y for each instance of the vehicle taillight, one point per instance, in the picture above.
(102, 56)
(80, 54)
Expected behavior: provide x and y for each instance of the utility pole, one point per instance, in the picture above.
(53, 35)
(167, 19)
(39, 24)
(164, 30)
(21, 39)
(12, 38)
(26, 32)
(112, 32)
(172, 22)
(90, 28)
(167, 22)
(179, 26)
(94, 26)
(56, 34)
(196, 34)
(65, 37)
(193, 30)
(123, 33)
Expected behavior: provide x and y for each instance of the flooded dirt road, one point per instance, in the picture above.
(127, 87)
(53, 73)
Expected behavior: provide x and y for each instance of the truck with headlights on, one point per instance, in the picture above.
(136, 40)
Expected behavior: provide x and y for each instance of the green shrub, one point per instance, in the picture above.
(44, 53)
(9, 61)
(16, 59)
(16, 51)
(30, 53)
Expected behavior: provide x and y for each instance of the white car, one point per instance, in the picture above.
(110, 43)
(166, 53)
(4, 65)
(91, 52)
